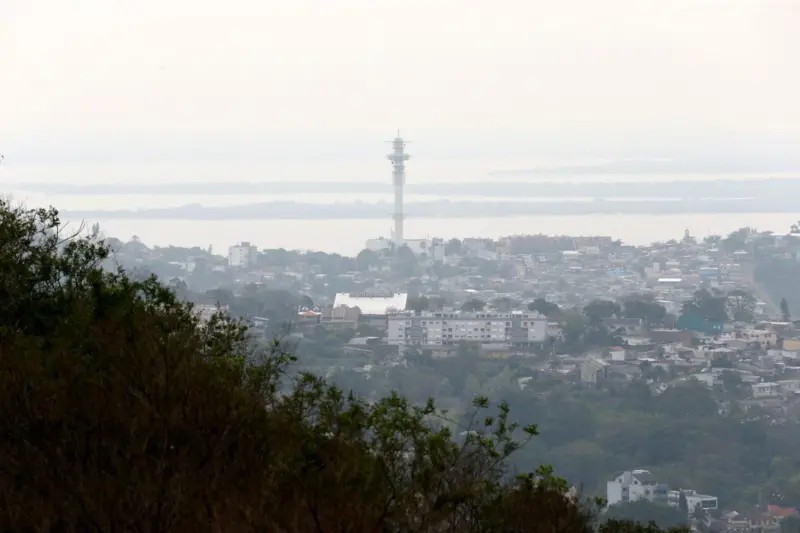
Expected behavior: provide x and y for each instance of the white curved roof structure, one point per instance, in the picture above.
(372, 304)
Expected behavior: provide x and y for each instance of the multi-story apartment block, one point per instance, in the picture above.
(242, 255)
(484, 327)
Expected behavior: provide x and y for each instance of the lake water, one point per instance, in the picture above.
(347, 236)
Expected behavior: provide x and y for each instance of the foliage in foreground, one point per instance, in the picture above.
(120, 411)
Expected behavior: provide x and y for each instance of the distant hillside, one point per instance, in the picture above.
(444, 208)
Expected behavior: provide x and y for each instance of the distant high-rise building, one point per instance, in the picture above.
(398, 157)
(243, 255)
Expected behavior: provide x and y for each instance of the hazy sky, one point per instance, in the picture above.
(146, 77)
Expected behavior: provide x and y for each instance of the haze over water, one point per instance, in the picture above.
(161, 92)
(347, 236)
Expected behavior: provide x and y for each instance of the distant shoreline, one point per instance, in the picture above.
(442, 209)
(733, 187)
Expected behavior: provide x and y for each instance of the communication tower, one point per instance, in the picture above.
(398, 157)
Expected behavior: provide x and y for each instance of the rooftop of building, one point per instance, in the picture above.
(372, 304)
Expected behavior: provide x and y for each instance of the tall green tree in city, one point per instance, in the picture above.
(599, 310)
(786, 315)
(417, 304)
(548, 309)
(404, 262)
(707, 305)
(472, 305)
(367, 259)
(644, 308)
(741, 305)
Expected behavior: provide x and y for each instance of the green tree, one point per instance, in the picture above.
(505, 304)
(732, 381)
(573, 326)
(645, 309)
(472, 305)
(736, 240)
(741, 304)
(599, 310)
(707, 305)
(417, 304)
(548, 309)
(689, 399)
(468, 350)
(625, 526)
(785, 313)
(367, 259)
(404, 262)
(452, 247)
(790, 524)
(639, 395)
(436, 303)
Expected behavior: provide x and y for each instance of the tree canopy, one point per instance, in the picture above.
(548, 309)
(707, 305)
(599, 310)
(473, 305)
(644, 308)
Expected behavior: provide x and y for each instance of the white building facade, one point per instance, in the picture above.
(378, 245)
(633, 485)
(372, 303)
(448, 328)
(242, 255)
(693, 500)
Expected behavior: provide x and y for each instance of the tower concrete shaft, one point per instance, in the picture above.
(398, 157)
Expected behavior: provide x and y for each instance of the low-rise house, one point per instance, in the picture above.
(623, 371)
(633, 485)
(735, 522)
(767, 389)
(789, 386)
(361, 345)
(766, 338)
(707, 378)
(617, 353)
(308, 317)
(593, 371)
(343, 317)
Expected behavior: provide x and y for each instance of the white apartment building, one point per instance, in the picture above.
(242, 255)
(378, 245)
(485, 327)
(693, 500)
(632, 485)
